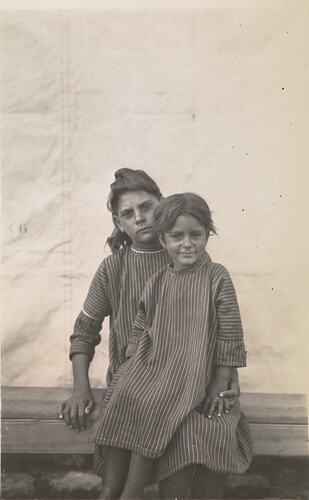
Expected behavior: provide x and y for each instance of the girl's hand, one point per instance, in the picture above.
(215, 403)
(231, 395)
(215, 400)
(75, 409)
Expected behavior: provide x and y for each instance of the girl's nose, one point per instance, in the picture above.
(186, 242)
(139, 217)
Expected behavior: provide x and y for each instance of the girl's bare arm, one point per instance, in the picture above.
(81, 403)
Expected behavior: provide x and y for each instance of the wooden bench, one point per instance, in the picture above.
(30, 424)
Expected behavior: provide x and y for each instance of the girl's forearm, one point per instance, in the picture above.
(235, 375)
(223, 373)
(80, 365)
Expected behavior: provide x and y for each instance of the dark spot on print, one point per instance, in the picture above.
(282, 88)
(272, 288)
(193, 116)
(242, 209)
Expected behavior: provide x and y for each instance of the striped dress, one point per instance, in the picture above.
(115, 292)
(187, 322)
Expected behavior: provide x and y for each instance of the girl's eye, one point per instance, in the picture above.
(176, 236)
(147, 207)
(126, 215)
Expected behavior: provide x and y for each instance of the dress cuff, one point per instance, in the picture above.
(80, 347)
(85, 336)
(230, 353)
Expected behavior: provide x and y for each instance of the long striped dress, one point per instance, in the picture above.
(115, 292)
(187, 322)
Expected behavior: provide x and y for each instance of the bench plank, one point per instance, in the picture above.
(30, 424)
(53, 436)
(42, 403)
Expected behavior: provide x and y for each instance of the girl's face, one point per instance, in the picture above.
(135, 217)
(185, 242)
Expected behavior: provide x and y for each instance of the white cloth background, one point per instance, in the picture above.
(212, 101)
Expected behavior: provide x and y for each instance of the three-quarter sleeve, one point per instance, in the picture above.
(230, 348)
(138, 328)
(87, 327)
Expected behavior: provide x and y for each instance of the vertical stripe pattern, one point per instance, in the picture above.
(187, 322)
(222, 444)
(115, 292)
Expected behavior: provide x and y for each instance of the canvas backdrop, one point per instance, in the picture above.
(212, 101)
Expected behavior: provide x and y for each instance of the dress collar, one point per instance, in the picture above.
(147, 250)
(204, 259)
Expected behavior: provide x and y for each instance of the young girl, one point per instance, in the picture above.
(185, 339)
(115, 291)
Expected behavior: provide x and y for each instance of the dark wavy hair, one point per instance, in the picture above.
(127, 179)
(173, 206)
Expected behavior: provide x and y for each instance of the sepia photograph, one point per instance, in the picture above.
(155, 276)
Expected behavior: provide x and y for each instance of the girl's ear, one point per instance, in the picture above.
(117, 223)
